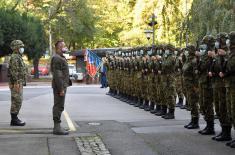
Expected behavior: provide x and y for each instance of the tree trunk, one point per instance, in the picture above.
(35, 65)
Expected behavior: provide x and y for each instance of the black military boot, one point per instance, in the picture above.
(209, 129)
(170, 114)
(15, 121)
(157, 109)
(150, 107)
(128, 98)
(180, 103)
(109, 92)
(132, 100)
(183, 107)
(145, 103)
(231, 144)
(139, 103)
(225, 135)
(193, 124)
(163, 111)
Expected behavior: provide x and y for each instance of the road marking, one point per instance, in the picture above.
(69, 121)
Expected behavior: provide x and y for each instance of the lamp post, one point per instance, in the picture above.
(152, 23)
(148, 33)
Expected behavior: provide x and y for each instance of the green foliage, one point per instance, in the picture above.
(211, 17)
(23, 27)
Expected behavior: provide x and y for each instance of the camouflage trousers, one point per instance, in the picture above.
(230, 99)
(191, 94)
(160, 91)
(169, 92)
(219, 100)
(206, 102)
(144, 87)
(16, 100)
(179, 86)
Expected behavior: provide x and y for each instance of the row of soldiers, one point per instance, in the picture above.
(151, 78)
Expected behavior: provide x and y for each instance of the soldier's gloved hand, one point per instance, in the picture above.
(210, 74)
(221, 74)
(62, 93)
(159, 72)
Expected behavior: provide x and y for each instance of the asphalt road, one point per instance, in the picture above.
(101, 123)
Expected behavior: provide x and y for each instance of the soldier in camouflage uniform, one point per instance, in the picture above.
(17, 79)
(190, 86)
(205, 85)
(150, 82)
(179, 78)
(229, 76)
(169, 90)
(219, 90)
(161, 109)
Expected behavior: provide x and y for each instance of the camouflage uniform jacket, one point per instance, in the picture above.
(17, 70)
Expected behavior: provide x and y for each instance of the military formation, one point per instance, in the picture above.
(152, 78)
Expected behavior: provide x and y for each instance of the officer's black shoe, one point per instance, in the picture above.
(180, 103)
(194, 123)
(170, 114)
(209, 130)
(226, 134)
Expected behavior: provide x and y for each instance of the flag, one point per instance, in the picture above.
(93, 63)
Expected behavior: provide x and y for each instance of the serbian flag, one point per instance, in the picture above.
(93, 63)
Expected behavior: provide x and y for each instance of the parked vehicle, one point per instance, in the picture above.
(75, 74)
(43, 70)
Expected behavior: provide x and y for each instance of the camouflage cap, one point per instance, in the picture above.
(209, 40)
(221, 38)
(170, 47)
(16, 44)
(191, 49)
(231, 37)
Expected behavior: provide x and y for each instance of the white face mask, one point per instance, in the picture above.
(175, 52)
(217, 44)
(186, 53)
(228, 43)
(21, 50)
(167, 52)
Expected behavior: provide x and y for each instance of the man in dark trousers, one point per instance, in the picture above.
(60, 82)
